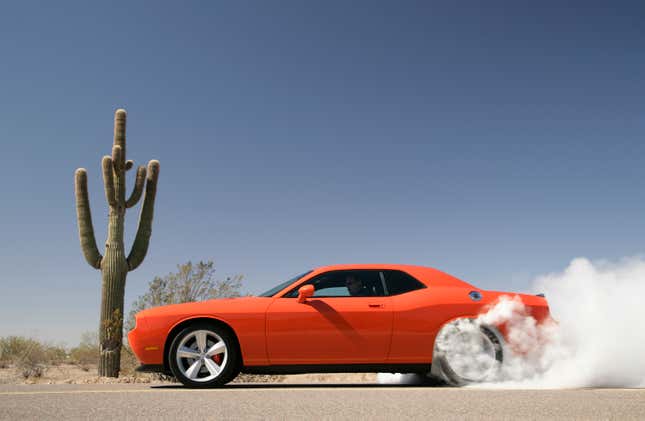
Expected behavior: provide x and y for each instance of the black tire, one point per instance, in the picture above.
(454, 375)
(202, 376)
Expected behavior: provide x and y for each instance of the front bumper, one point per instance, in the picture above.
(146, 343)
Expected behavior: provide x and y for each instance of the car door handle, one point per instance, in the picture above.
(375, 305)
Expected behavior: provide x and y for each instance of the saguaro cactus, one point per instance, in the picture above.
(114, 265)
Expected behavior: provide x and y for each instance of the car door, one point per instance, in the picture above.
(332, 327)
(418, 314)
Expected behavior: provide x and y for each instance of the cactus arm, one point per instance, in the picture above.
(144, 230)
(119, 129)
(84, 220)
(118, 155)
(117, 158)
(119, 174)
(138, 187)
(108, 180)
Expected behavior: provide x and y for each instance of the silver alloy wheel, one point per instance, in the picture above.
(202, 355)
(472, 355)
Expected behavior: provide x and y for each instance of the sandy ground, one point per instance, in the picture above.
(73, 374)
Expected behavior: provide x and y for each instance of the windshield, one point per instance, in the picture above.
(283, 285)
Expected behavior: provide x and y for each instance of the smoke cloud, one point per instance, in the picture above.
(597, 339)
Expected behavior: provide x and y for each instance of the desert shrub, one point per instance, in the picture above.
(29, 356)
(86, 354)
(28, 370)
(129, 361)
(5, 360)
(14, 349)
(55, 354)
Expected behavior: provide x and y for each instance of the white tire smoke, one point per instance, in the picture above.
(596, 340)
(599, 339)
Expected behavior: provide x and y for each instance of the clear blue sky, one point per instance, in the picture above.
(495, 142)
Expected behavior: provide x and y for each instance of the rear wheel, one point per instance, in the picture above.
(204, 355)
(466, 352)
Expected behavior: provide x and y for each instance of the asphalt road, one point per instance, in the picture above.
(315, 401)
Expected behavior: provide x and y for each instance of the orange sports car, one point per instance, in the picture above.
(344, 318)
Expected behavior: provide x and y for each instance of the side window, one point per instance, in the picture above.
(345, 283)
(400, 282)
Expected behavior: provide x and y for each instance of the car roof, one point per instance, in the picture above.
(423, 273)
(369, 266)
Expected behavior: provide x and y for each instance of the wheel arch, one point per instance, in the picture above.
(194, 320)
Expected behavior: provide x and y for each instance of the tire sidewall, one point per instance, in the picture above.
(231, 368)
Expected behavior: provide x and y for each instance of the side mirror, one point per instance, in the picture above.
(305, 292)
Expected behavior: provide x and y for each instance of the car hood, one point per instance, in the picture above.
(210, 307)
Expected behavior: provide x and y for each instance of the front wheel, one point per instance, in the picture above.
(466, 352)
(203, 355)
